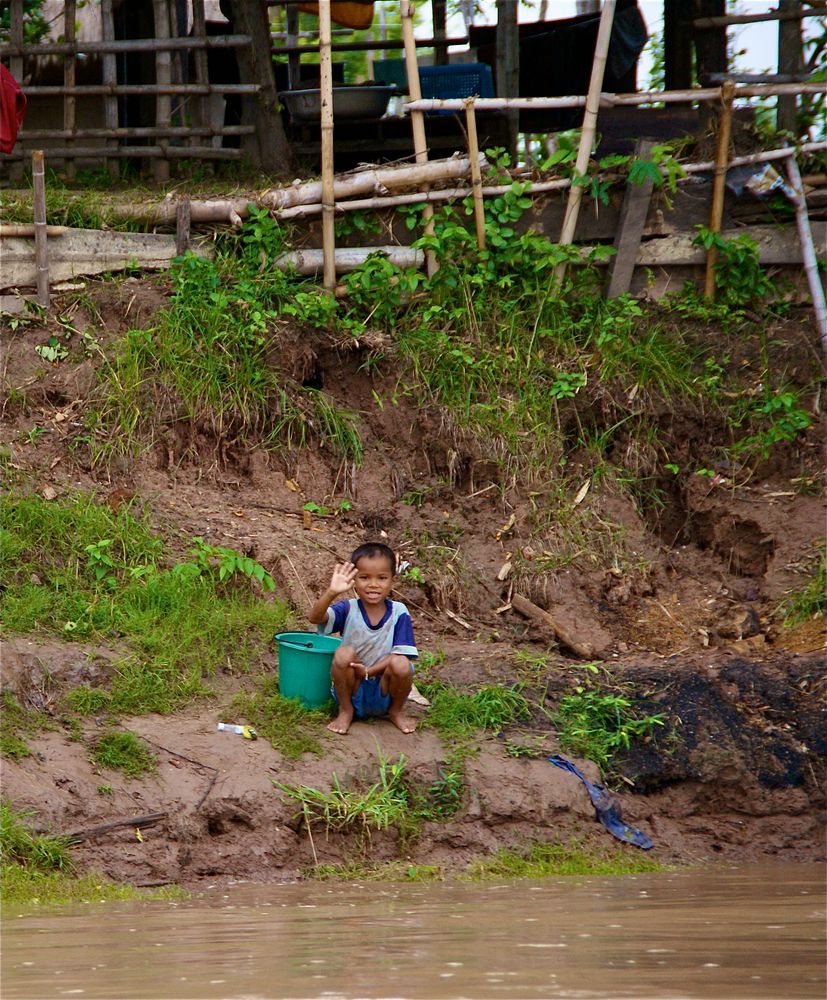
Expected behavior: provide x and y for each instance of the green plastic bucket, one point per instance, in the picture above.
(304, 666)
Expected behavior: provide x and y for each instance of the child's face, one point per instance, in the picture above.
(374, 580)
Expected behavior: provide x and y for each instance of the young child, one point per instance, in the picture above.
(372, 670)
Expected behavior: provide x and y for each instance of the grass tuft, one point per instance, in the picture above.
(124, 751)
(286, 724)
(545, 860)
(456, 716)
(75, 568)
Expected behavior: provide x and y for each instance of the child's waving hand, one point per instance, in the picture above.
(343, 576)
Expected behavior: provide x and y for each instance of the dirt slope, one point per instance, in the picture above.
(685, 623)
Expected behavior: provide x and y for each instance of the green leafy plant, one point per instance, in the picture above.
(378, 806)
(457, 715)
(53, 350)
(780, 417)
(598, 723)
(740, 278)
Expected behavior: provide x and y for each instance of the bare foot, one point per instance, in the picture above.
(341, 723)
(402, 721)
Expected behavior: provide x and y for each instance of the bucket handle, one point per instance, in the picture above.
(290, 642)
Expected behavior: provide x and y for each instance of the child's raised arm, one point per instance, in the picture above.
(340, 582)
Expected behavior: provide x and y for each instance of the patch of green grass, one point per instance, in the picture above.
(456, 715)
(17, 723)
(124, 751)
(597, 721)
(21, 885)
(378, 806)
(105, 576)
(87, 700)
(286, 724)
(210, 360)
(389, 871)
(545, 860)
(36, 851)
(811, 599)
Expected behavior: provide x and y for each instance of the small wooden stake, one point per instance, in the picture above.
(182, 226)
(476, 173)
(328, 196)
(716, 209)
(584, 152)
(630, 228)
(41, 247)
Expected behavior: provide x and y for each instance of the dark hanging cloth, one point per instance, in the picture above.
(556, 60)
(12, 110)
(606, 808)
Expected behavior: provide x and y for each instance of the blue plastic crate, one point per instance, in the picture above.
(456, 81)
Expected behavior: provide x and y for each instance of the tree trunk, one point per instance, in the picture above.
(268, 148)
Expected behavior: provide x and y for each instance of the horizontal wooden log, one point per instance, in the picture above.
(771, 15)
(372, 44)
(311, 261)
(777, 245)
(375, 181)
(27, 229)
(150, 132)
(124, 152)
(93, 89)
(78, 252)
(448, 194)
(126, 45)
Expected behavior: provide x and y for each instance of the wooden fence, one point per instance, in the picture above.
(181, 90)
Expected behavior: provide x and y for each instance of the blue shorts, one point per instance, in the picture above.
(369, 699)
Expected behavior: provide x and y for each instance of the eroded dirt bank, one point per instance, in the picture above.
(679, 609)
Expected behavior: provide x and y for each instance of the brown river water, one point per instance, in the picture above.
(750, 932)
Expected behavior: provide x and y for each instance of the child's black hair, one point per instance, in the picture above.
(372, 550)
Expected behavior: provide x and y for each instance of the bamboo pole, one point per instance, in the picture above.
(772, 15)
(41, 246)
(201, 104)
(168, 152)
(406, 13)
(328, 191)
(136, 133)
(113, 45)
(584, 151)
(808, 252)
(109, 77)
(609, 100)
(476, 174)
(148, 88)
(163, 78)
(716, 208)
(69, 76)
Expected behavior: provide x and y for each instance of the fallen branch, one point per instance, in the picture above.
(138, 822)
(530, 610)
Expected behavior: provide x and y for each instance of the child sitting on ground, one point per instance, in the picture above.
(372, 671)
